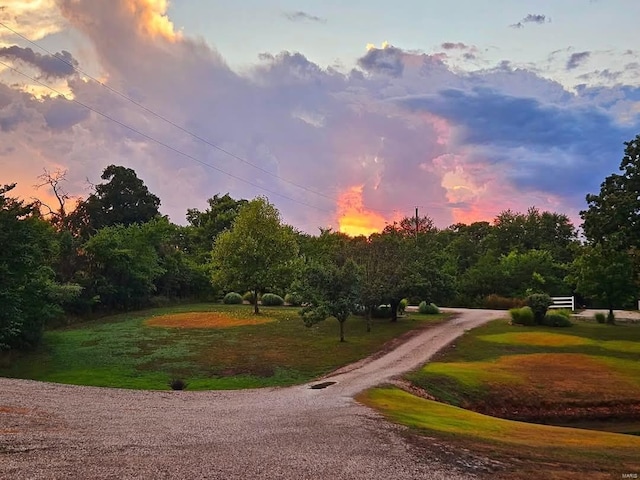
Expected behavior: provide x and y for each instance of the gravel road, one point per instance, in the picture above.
(52, 431)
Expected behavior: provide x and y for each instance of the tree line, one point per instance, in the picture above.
(114, 251)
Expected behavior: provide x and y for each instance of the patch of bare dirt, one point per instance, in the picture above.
(204, 320)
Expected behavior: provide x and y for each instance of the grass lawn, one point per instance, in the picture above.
(210, 346)
(584, 373)
(530, 450)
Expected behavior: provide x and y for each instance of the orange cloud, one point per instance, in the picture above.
(354, 218)
(152, 15)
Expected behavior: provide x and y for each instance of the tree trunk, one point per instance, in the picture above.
(611, 319)
(341, 322)
(368, 317)
(256, 309)
(394, 310)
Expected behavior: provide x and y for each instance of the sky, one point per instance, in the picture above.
(345, 115)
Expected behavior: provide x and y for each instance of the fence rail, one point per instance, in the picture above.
(564, 302)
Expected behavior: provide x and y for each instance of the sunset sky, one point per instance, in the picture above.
(344, 114)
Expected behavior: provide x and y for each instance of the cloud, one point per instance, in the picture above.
(50, 66)
(386, 60)
(301, 16)
(33, 19)
(454, 46)
(402, 128)
(577, 59)
(531, 18)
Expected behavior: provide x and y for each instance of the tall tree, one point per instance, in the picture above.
(123, 199)
(27, 284)
(205, 226)
(257, 254)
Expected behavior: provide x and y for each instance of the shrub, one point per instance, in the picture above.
(522, 316)
(539, 303)
(402, 306)
(178, 383)
(248, 297)
(272, 300)
(600, 317)
(556, 320)
(232, 298)
(497, 302)
(428, 308)
(293, 299)
(563, 311)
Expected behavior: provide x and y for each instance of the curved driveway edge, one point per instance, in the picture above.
(52, 431)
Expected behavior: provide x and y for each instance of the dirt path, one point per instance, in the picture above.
(50, 431)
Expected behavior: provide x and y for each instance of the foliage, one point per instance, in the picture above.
(249, 297)
(600, 317)
(554, 319)
(257, 254)
(293, 298)
(428, 308)
(522, 316)
(123, 199)
(539, 303)
(605, 274)
(498, 302)
(329, 290)
(205, 226)
(381, 311)
(272, 300)
(402, 306)
(232, 298)
(29, 295)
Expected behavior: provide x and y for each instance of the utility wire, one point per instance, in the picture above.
(184, 130)
(163, 144)
(163, 118)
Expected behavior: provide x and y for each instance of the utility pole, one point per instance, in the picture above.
(416, 225)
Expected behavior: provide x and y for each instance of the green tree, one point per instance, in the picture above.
(257, 253)
(123, 264)
(123, 199)
(27, 286)
(606, 275)
(205, 226)
(329, 290)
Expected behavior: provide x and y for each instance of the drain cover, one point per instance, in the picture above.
(318, 386)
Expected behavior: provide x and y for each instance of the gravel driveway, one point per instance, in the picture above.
(52, 431)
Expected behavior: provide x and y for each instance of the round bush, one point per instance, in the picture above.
(272, 300)
(556, 320)
(428, 308)
(522, 316)
(539, 303)
(600, 317)
(402, 306)
(232, 298)
(293, 299)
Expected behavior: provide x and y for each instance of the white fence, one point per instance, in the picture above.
(564, 302)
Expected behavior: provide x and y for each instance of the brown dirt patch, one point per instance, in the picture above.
(205, 320)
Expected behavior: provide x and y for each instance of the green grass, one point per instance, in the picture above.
(122, 351)
(540, 449)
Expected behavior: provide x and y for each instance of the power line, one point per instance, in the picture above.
(163, 144)
(163, 118)
(188, 132)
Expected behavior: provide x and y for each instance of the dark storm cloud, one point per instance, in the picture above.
(59, 65)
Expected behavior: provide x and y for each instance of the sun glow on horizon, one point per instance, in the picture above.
(354, 218)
